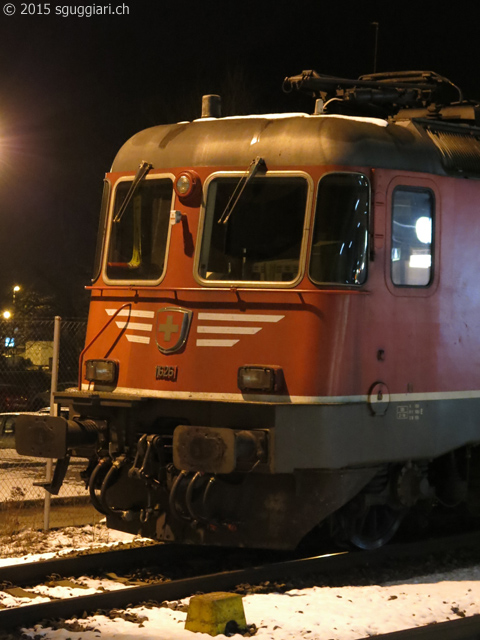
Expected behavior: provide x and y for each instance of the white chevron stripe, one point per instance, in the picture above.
(216, 343)
(134, 326)
(239, 317)
(134, 313)
(141, 339)
(242, 330)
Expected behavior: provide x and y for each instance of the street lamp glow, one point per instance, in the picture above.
(7, 315)
(16, 289)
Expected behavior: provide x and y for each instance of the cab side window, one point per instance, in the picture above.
(412, 234)
(340, 234)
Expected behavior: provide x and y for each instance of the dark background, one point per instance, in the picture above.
(73, 90)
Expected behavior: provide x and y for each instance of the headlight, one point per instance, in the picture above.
(104, 371)
(260, 378)
(186, 183)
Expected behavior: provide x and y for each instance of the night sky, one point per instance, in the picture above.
(74, 89)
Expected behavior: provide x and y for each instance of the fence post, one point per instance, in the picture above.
(53, 412)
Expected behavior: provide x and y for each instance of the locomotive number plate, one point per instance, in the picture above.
(166, 373)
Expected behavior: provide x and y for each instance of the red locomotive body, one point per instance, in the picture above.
(284, 322)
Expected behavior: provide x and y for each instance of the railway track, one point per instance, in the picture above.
(462, 629)
(175, 589)
(97, 563)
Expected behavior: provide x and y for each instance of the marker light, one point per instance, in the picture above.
(185, 183)
(259, 378)
(103, 371)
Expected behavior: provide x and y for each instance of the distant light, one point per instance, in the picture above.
(423, 229)
(7, 315)
(420, 261)
(16, 289)
(10, 342)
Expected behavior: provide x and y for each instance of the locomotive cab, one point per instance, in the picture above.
(271, 339)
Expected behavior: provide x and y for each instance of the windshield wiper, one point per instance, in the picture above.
(255, 165)
(143, 169)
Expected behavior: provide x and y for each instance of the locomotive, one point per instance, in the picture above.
(284, 321)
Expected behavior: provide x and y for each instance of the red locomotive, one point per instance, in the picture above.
(284, 321)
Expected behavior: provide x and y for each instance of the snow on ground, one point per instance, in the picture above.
(340, 613)
(30, 545)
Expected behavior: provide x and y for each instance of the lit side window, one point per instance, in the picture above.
(412, 232)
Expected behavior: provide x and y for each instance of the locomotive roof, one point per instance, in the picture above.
(301, 140)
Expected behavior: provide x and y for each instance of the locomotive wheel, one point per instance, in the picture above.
(375, 526)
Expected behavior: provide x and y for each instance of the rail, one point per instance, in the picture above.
(330, 564)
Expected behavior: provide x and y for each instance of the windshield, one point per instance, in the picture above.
(138, 239)
(262, 239)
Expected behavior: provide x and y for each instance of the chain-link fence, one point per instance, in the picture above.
(26, 360)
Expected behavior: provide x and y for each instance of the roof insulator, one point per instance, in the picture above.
(211, 106)
(318, 106)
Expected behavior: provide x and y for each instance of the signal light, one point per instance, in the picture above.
(257, 378)
(102, 371)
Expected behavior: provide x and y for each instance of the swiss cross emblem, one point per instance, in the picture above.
(172, 328)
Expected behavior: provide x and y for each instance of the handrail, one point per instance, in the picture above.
(130, 287)
(80, 360)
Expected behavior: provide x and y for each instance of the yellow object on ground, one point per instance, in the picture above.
(212, 612)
